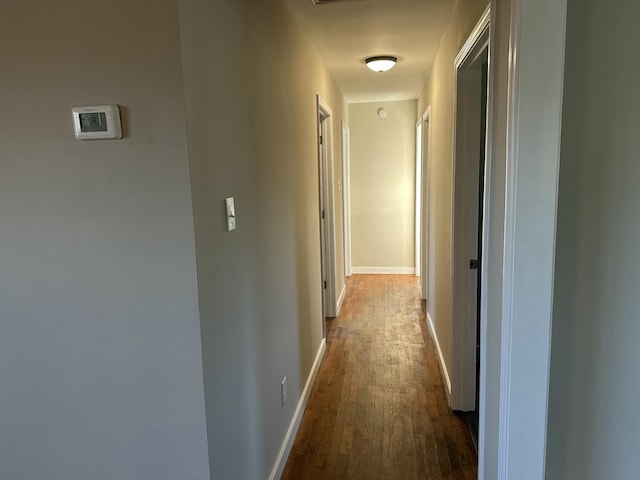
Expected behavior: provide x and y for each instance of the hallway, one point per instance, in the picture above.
(378, 407)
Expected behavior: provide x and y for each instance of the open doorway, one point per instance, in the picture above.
(327, 211)
(428, 237)
(427, 222)
(468, 217)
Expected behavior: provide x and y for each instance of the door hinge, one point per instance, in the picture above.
(323, 214)
(325, 284)
(473, 264)
(320, 139)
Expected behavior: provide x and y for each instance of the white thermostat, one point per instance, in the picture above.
(100, 122)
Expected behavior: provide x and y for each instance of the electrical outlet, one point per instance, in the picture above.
(283, 390)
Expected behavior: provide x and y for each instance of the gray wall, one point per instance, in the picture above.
(593, 402)
(251, 81)
(100, 365)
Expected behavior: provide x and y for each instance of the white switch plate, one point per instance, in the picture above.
(283, 391)
(231, 213)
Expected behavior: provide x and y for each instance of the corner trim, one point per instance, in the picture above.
(474, 37)
(536, 44)
(443, 366)
(283, 455)
(343, 294)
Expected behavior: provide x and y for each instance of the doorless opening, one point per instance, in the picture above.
(327, 209)
(467, 210)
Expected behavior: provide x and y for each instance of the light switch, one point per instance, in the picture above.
(231, 213)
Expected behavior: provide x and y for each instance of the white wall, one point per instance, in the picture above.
(100, 361)
(593, 402)
(383, 187)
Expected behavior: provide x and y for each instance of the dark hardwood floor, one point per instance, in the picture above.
(378, 408)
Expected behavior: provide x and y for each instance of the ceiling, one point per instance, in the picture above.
(346, 32)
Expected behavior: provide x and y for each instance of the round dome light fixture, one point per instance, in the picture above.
(381, 63)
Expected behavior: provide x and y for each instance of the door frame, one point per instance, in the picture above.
(418, 208)
(465, 204)
(346, 197)
(533, 127)
(326, 205)
(427, 189)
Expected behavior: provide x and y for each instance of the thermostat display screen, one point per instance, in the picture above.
(99, 122)
(93, 122)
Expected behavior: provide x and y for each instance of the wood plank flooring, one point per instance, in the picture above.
(378, 408)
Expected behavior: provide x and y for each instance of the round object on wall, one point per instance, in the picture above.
(382, 113)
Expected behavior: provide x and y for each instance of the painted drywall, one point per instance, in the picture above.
(438, 93)
(593, 417)
(252, 134)
(100, 361)
(383, 186)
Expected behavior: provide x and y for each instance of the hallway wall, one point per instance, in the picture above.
(251, 80)
(593, 408)
(100, 365)
(383, 159)
(438, 93)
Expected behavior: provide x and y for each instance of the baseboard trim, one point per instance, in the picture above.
(384, 270)
(283, 455)
(443, 366)
(343, 294)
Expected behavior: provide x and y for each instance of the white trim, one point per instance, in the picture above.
(534, 122)
(484, 386)
(384, 270)
(285, 449)
(325, 115)
(341, 298)
(418, 200)
(464, 211)
(427, 262)
(476, 36)
(443, 365)
(346, 196)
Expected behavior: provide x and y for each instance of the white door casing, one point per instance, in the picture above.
(465, 207)
(327, 208)
(419, 201)
(534, 123)
(428, 223)
(346, 195)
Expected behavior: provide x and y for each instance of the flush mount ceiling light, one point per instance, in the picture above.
(381, 63)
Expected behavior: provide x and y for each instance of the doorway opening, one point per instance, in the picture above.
(472, 67)
(327, 211)
(419, 202)
(428, 217)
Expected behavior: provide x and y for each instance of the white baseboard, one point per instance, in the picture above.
(384, 270)
(443, 366)
(283, 455)
(343, 293)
